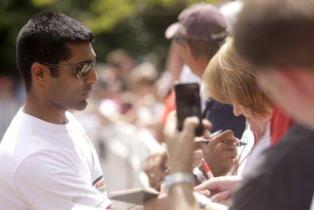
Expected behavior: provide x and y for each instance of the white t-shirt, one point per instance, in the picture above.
(312, 206)
(46, 166)
(249, 154)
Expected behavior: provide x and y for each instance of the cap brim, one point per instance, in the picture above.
(172, 30)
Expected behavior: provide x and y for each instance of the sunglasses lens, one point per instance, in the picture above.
(83, 69)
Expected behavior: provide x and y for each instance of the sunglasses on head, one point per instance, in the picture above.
(79, 70)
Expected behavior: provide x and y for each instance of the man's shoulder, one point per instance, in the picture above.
(283, 178)
(296, 145)
(15, 142)
(293, 153)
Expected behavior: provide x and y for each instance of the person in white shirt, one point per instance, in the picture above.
(47, 160)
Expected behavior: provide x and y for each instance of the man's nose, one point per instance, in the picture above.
(91, 77)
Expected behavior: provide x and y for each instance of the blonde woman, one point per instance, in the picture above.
(230, 79)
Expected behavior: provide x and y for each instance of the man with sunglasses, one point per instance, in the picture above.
(47, 160)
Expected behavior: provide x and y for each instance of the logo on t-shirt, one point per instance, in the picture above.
(99, 184)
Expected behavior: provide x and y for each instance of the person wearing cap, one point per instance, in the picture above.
(198, 34)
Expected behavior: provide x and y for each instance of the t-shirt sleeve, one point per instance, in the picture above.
(96, 173)
(49, 182)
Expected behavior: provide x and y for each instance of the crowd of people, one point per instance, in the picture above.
(87, 129)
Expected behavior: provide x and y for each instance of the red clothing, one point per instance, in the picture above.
(279, 124)
(169, 106)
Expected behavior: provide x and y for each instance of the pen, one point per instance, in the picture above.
(207, 169)
(215, 134)
(204, 141)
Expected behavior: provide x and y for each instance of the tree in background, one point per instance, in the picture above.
(135, 25)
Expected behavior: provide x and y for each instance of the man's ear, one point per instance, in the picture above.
(40, 74)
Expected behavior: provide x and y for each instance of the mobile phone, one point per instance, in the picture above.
(188, 103)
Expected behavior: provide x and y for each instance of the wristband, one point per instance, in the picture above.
(178, 178)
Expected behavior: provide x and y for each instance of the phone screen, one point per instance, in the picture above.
(188, 103)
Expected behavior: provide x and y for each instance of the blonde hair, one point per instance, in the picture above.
(230, 79)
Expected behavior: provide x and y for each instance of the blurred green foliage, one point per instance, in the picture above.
(135, 25)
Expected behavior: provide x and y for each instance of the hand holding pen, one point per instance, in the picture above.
(219, 150)
(211, 136)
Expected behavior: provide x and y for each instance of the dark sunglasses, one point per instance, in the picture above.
(80, 70)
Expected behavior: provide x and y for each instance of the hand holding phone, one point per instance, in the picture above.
(188, 103)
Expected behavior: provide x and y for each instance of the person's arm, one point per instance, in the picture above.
(181, 196)
(180, 190)
(180, 152)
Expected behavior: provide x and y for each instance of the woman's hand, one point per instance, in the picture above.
(221, 152)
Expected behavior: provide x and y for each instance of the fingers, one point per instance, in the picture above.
(204, 192)
(219, 184)
(207, 125)
(210, 146)
(190, 124)
(181, 149)
(223, 150)
(222, 197)
(235, 166)
(228, 153)
(202, 186)
(227, 134)
(211, 185)
(155, 167)
(229, 143)
(227, 137)
(155, 161)
(193, 122)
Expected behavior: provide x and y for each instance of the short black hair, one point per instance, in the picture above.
(276, 33)
(43, 39)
